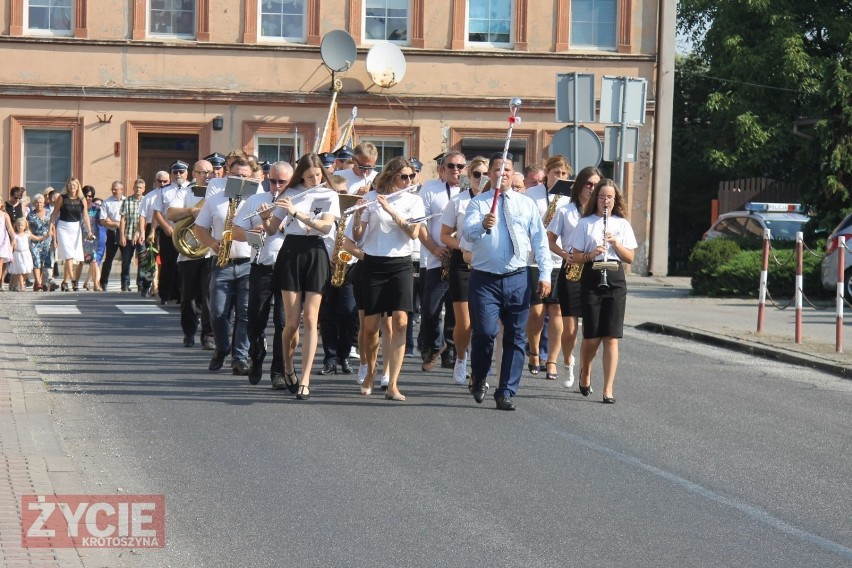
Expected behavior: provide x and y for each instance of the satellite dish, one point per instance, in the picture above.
(337, 50)
(385, 64)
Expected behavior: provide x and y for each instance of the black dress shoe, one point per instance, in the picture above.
(505, 403)
(278, 382)
(608, 400)
(479, 389)
(255, 371)
(240, 367)
(216, 361)
(345, 369)
(329, 369)
(188, 341)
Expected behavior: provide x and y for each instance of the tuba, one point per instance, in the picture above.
(183, 237)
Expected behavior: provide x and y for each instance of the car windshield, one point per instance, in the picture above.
(784, 230)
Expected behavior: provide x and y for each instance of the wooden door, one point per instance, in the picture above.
(159, 151)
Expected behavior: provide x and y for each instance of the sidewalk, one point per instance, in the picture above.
(664, 305)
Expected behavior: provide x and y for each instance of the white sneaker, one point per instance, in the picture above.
(460, 372)
(569, 382)
(353, 354)
(362, 373)
(385, 381)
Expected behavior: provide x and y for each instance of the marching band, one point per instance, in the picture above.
(284, 243)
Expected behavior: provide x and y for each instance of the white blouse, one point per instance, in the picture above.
(314, 205)
(382, 236)
(542, 199)
(564, 223)
(589, 235)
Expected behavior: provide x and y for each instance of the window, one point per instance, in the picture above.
(47, 159)
(49, 17)
(386, 20)
(283, 20)
(490, 21)
(593, 24)
(279, 148)
(388, 150)
(172, 17)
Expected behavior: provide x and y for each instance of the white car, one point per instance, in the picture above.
(783, 220)
(829, 263)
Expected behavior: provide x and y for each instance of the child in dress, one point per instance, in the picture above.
(22, 258)
(6, 242)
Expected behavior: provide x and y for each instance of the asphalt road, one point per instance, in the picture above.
(709, 458)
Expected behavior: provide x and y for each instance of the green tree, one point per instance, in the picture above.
(767, 65)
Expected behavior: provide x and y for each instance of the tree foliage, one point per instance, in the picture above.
(759, 68)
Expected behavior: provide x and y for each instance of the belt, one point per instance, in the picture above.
(505, 274)
(239, 261)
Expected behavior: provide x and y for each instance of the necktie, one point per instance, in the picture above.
(507, 217)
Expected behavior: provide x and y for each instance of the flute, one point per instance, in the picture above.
(294, 198)
(392, 196)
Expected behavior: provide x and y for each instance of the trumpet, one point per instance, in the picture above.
(323, 185)
(391, 197)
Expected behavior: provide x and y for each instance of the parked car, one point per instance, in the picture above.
(784, 220)
(829, 263)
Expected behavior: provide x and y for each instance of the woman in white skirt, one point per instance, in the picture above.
(70, 215)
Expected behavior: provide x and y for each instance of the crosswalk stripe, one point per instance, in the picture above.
(140, 309)
(61, 310)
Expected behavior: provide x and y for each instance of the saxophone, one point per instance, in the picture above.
(551, 211)
(224, 256)
(339, 257)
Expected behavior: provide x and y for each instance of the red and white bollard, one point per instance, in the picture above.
(764, 275)
(799, 255)
(841, 286)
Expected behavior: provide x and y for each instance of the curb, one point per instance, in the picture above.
(760, 351)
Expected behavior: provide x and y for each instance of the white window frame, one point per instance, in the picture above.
(369, 41)
(49, 32)
(501, 45)
(293, 137)
(595, 46)
(24, 169)
(150, 20)
(380, 141)
(281, 39)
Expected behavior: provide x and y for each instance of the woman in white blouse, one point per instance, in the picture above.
(302, 268)
(603, 234)
(385, 230)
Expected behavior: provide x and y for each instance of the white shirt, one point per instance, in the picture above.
(382, 236)
(185, 198)
(212, 218)
(589, 234)
(167, 195)
(453, 215)
(214, 186)
(354, 181)
(435, 194)
(314, 204)
(269, 252)
(146, 208)
(541, 197)
(564, 222)
(111, 208)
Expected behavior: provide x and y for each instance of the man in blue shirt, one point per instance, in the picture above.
(500, 244)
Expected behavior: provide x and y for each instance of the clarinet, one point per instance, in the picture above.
(604, 283)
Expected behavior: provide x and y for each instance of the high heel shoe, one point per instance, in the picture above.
(585, 391)
(551, 376)
(64, 286)
(98, 288)
(366, 391)
(304, 392)
(87, 286)
(533, 368)
(74, 285)
(608, 400)
(290, 382)
(398, 396)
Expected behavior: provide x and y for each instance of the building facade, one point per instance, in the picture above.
(110, 89)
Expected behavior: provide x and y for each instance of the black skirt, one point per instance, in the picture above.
(302, 265)
(387, 284)
(532, 282)
(459, 277)
(603, 307)
(568, 292)
(354, 277)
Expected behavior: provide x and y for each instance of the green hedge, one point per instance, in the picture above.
(720, 267)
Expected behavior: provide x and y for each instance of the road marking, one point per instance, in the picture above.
(62, 310)
(141, 310)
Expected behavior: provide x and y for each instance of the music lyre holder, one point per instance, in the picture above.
(605, 265)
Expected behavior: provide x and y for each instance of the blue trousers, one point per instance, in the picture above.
(229, 290)
(494, 298)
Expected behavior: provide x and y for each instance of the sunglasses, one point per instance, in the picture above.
(406, 177)
(455, 166)
(478, 175)
(361, 166)
(279, 181)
